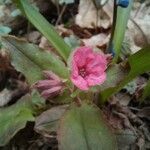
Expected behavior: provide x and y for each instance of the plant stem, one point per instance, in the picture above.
(110, 46)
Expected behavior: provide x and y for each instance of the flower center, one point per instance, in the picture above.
(82, 72)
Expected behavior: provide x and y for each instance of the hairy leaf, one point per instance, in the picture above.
(45, 28)
(115, 74)
(139, 63)
(14, 117)
(83, 128)
(31, 60)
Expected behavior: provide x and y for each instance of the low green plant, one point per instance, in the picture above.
(82, 126)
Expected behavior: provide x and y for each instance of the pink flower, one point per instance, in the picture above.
(49, 87)
(88, 68)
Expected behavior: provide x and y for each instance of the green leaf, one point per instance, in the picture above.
(115, 74)
(63, 98)
(83, 128)
(14, 118)
(139, 63)
(45, 28)
(31, 60)
(123, 15)
(37, 102)
(146, 92)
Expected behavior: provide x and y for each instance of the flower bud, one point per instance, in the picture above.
(49, 87)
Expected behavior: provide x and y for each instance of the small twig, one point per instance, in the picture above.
(133, 108)
(139, 10)
(61, 14)
(57, 6)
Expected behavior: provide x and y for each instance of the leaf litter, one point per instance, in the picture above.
(127, 116)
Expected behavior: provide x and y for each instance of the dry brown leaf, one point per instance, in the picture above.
(89, 17)
(97, 40)
(138, 33)
(47, 122)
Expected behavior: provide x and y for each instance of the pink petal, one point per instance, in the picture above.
(51, 92)
(97, 70)
(99, 63)
(80, 82)
(80, 55)
(46, 84)
(95, 80)
(75, 70)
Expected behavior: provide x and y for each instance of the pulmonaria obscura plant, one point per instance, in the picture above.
(65, 84)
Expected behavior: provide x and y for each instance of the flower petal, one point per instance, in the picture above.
(51, 92)
(46, 84)
(74, 68)
(80, 82)
(96, 80)
(80, 55)
(99, 63)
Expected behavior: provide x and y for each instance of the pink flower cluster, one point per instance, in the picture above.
(88, 68)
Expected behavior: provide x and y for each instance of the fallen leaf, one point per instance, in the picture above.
(89, 17)
(97, 40)
(137, 34)
(126, 139)
(48, 121)
(144, 113)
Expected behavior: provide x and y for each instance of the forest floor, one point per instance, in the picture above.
(124, 112)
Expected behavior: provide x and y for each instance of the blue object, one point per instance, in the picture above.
(123, 3)
(111, 49)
